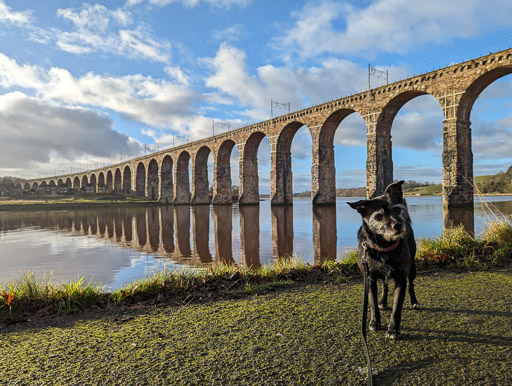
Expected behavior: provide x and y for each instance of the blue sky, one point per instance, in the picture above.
(83, 84)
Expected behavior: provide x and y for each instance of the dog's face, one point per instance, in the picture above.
(385, 215)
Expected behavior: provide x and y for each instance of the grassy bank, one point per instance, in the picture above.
(66, 202)
(304, 334)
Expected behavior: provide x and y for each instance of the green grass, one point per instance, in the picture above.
(431, 190)
(493, 246)
(29, 294)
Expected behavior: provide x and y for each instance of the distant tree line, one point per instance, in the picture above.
(498, 183)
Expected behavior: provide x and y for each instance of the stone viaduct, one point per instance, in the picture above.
(164, 175)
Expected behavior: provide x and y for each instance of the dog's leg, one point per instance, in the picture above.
(383, 303)
(375, 323)
(412, 294)
(398, 303)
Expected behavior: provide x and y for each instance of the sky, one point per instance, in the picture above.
(84, 85)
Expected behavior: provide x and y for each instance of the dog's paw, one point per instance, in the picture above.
(415, 306)
(374, 326)
(393, 335)
(383, 306)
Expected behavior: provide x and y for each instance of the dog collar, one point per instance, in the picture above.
(387, 249)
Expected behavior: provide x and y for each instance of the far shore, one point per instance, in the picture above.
(103, 200)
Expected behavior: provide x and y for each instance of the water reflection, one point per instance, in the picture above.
(200, 235)
(282, 231)
(201, 226)
(465, 216)
(250, 235)
(223, 226)
(182, 231)
(324, 233)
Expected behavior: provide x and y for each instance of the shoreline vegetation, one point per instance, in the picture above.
(455, 249)
(100, 200)
(65, 202)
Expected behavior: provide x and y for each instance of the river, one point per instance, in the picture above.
(115, 245)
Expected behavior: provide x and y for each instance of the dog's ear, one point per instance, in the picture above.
(361, 206)
(394, 193)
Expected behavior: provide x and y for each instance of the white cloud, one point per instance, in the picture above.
(397, 26)
(8, 16)
(98, 29)
(302, 87)
(491, 139)
(351, 131)
(14, 75)
(156, 102)
(177, 74)
(35, 131)
(419, 125)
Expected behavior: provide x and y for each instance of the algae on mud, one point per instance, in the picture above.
(306, 333)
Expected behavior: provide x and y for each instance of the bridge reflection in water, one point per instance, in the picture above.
(201, 235)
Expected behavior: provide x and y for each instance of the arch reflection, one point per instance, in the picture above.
(462, 215)
(250, 234)
(282, 231)
(223, 226)
(201, 229)
(182, 230)
(167, 224)
(324, 233)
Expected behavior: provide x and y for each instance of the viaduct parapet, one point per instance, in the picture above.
(164, 176)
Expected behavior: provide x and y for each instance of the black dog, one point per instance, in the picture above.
(387, 240)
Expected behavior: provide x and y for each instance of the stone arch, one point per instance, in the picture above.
(323, 170)
(200, 189)
(93, 183)
(26, 187)
(166, 192)
(118, 182)
(472, 92)
(109, 182)
(35, 186)
(249, 180)
(52, 184)
(127, 180)
(457, 141)
(182, 183)
(281, 171)
(76, 184)
(391, 109)
(65, 187)
(85, 182)
(379, 163)
(101, 182)
(153, 180)
(222, 185)
(140, 180)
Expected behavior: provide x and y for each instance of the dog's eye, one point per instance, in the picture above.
(397, 210)
(379, 216)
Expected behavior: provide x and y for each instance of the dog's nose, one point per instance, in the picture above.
(397, 226)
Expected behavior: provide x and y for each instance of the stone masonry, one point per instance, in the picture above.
(164, 175)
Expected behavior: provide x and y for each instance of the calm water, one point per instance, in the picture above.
(113, 246)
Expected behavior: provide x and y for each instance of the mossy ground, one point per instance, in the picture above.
(300, 334)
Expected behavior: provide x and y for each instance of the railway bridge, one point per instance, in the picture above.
(164, 176)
